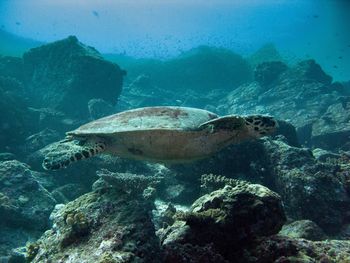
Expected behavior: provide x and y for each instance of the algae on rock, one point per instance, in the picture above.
(102, 226)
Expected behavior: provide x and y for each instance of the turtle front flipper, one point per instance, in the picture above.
(69, 151)
(253, 126)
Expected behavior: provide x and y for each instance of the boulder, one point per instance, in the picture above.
(66, 74)
(228, 219)
(268, 72)
(267, 53)
(309, 189)
(332, 130)
(299, 95)
(201, 69)
(24, 201)
(12, 67)
(99, 108)
(25, 206)
(303, 229)
(103, 226)
(310, 70)
(284, 249)
(15, 118)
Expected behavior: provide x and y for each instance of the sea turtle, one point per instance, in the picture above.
(163, 134)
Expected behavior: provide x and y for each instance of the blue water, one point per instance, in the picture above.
(161, 29)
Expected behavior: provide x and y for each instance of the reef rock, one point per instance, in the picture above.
(25, 206)
(309, 189)
(99, 108)
(15, 118)
(303, 229)
(12, 67)
(201, 69)
(66, 74)
(332, 129)
(268, 72)
(24, 201)
(283, 249)
(300, 95)
(101, 226)
(226, 219)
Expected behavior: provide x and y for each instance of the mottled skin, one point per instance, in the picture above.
(162, 134)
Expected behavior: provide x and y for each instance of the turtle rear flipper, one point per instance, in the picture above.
(70, 151)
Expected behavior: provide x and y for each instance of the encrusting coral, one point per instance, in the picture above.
(212, 182)
(127, 182)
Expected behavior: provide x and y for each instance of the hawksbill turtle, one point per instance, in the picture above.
(164, 134)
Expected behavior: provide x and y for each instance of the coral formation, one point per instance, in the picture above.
(128, 182)
(104, 226)
(228, 218)
(303, 229)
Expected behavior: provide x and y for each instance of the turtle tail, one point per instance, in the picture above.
(70, 151)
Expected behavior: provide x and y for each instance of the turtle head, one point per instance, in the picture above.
(260, 125)
(62, 154)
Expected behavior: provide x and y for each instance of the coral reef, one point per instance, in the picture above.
(127, 182)
(303, 229)
(25, 205)
(301, 94)
(309, 189)
(228, 218)
(24, 201)
(57, 87)
(66, 74)
(104, 226)
(212, 182)
(268, 72)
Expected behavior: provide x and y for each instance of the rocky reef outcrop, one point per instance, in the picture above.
(302, 94)
(102, 226)
(56, 86)
(24, 200)
(66, 74)
(225, 221)
(25, 205)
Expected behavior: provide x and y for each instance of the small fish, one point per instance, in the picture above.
(95, 13)
(315, 16)
(18, 23)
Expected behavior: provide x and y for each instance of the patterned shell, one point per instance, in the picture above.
(149, 118)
